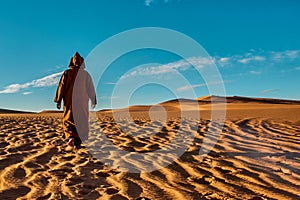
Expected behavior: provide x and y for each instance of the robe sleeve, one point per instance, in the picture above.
(60, 88)
(91, 89)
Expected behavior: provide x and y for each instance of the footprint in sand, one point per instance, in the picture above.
(111, 190)
(45, 157)
(102, 174)
(4, 144)
(47, 196)
(207, 180)
(61, 173)
(73, 181)
(224, 170)
(35, 167)
(39, 181)
(14, 175)
(14, 193)
(10, 160)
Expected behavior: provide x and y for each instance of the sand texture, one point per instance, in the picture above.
(257, 156)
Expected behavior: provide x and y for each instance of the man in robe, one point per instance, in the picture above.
(75, 89)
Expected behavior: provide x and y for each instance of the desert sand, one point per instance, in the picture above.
(257, 154)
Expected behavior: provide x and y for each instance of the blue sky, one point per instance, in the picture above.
(255, 45)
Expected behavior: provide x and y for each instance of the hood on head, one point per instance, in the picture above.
(76, 61)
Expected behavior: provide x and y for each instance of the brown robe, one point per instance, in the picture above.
(75, 88)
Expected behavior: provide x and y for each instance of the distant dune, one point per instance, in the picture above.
(181, 104)
(239, 99)
(189, 104)
(50, 111)
(7, 111)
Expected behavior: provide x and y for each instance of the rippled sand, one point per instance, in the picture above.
(257, 156)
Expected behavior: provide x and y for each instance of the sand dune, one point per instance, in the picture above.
(256, 155)
(8, 111)
(50, 111)
(240, 99)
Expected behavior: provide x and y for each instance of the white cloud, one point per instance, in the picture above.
(13, 88)
(292, 54)
(182, 65)
(268, 91)
(224, 59)
(190, 87)
(26, 93)
(148, 2)
(46, 81)
(257, 57)
(288, 54)
(253, 58)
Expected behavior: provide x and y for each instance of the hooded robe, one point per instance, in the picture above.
(75, 88)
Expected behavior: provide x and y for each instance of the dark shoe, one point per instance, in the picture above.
(77, 141)
(79, 147)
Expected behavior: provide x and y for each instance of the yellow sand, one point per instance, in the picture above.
(257, 156)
